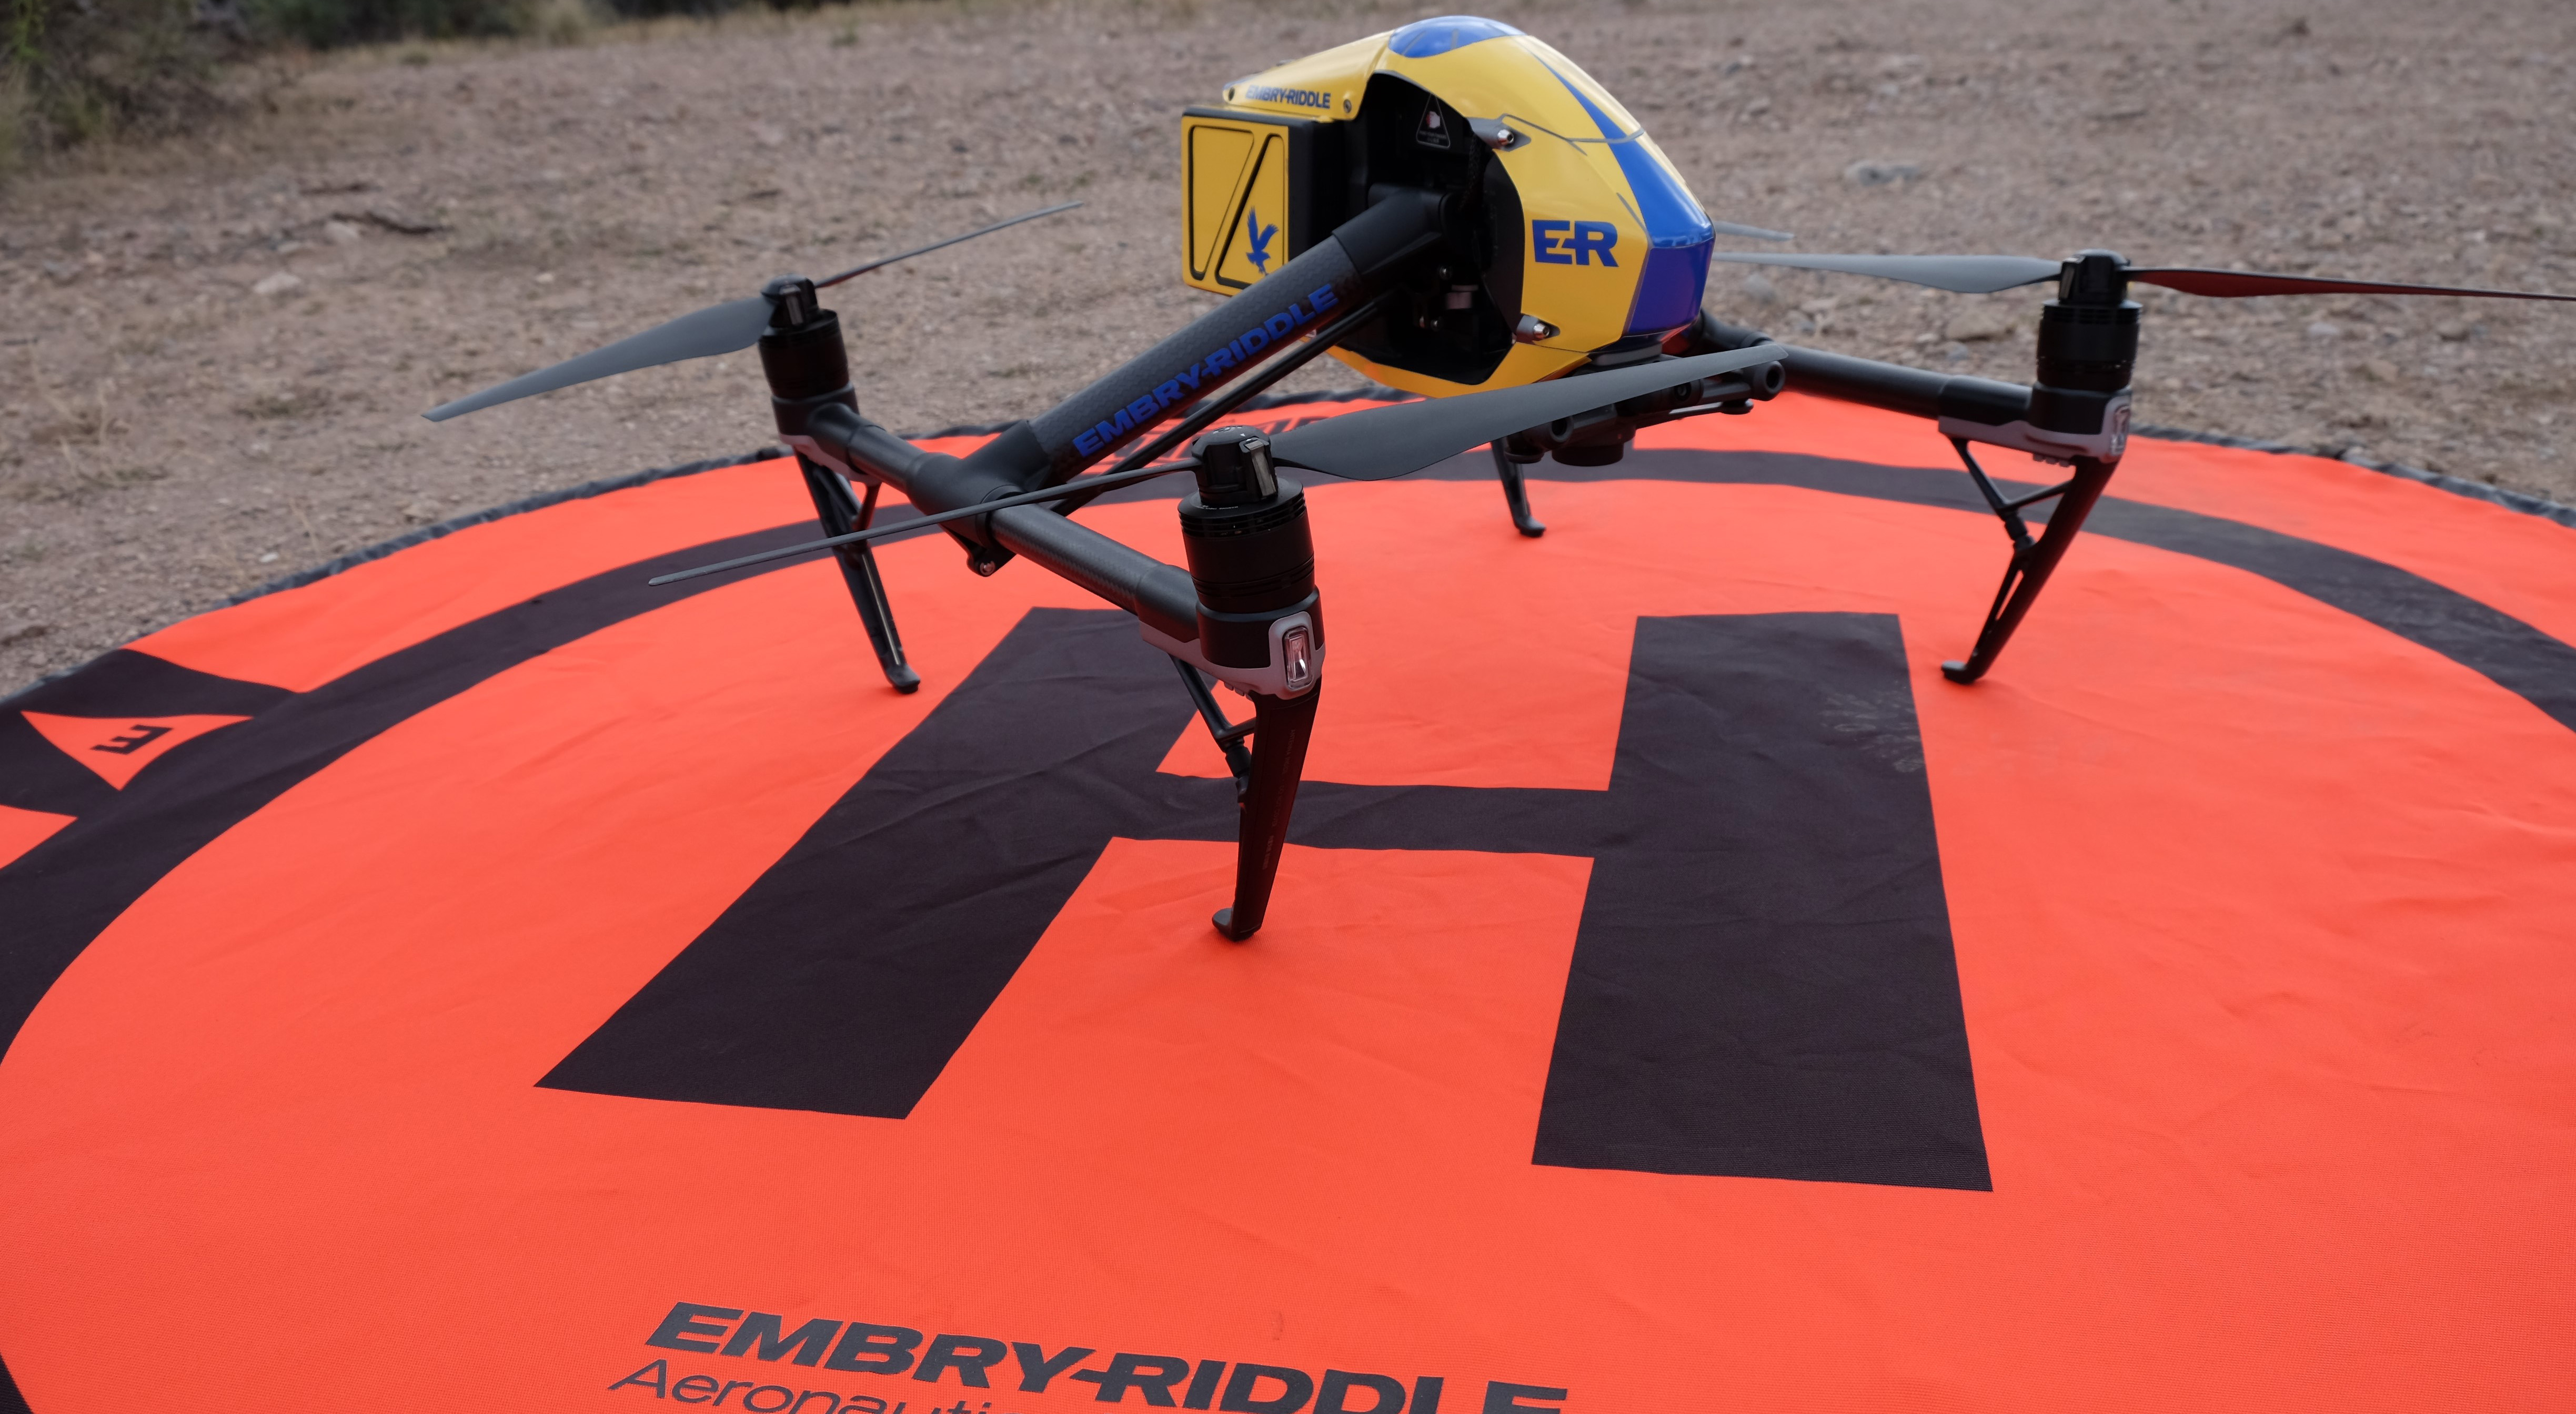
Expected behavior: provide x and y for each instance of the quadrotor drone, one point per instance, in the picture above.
(1459, 211)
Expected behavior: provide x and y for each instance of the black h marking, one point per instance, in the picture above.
(1762, 984)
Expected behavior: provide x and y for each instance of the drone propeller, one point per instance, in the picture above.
(881, 261)
(1378, 444)
(1087, 486)
(1386, 442)
(720, 329)
(1987, 274)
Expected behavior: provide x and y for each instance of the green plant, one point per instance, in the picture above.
(77, 69)
(15, 116)
(324, 24)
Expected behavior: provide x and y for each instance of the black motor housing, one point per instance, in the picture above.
(1251, 553)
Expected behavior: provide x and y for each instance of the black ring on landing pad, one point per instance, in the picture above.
(66, 891)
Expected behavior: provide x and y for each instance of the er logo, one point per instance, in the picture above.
(1762, 983)
(1574, 242)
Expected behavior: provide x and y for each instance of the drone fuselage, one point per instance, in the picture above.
(1571, 238)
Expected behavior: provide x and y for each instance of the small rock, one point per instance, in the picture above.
(1826, 305)
(1956, 353)
(2324, 332)
(1759, 289)
(768, 135)
(1880, 174)
(2453, 330)
(269, 559)
(21, 632)
(393, 221)
(2358, 454)
(339, 233)
(1757, 107)
(420, 512)
(283, 282)
(1978, 323)
(2379, 370)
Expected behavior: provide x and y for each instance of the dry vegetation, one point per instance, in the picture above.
(215, 347)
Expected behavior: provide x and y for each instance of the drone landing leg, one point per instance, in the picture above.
(1280, 728)
(1229, 735)
(2032, 560)
(1515, 495)
(840, 515)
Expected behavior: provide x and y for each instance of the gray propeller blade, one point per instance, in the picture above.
(1959, 274)
(2248, 284)
(722, 329)
(1382, 443)
(709, 333)
(1378, 444)
(1986, 274)
(937, 245)
(1750, 233)
(1084, 486)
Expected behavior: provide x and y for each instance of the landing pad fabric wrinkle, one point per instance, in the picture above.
(1677, 994)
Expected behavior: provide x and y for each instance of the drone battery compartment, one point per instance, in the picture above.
(1251, 178)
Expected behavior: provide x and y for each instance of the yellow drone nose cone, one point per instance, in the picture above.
(1576, 235)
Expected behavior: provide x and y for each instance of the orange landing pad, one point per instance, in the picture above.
(478, 981)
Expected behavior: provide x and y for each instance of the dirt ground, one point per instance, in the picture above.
(215, 350)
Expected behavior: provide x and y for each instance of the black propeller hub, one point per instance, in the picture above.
(793, 299)
(2094, 277)
(807, 364)
(2088, 335)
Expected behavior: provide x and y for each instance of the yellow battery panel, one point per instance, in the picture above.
(1235, 174)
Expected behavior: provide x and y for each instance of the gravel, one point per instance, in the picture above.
(215, 349)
